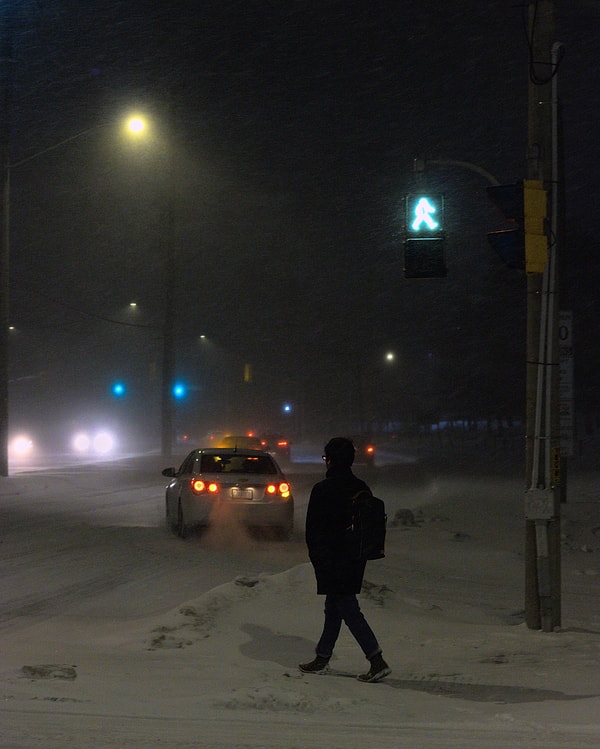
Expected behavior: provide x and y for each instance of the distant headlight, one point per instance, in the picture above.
(103, 443)
(81, 443)
(99, 443)
(21, 445)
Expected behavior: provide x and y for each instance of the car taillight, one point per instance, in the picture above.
(282, 443)
(204, 487)
(282, 490)
(370, 449)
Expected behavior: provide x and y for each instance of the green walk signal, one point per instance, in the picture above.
(424, 215)
(424, 244)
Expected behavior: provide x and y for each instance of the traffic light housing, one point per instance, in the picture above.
(424, 244)
(524, 205)
(424, 258)
(509, 244)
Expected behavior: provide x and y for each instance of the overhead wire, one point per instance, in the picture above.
(530, 31)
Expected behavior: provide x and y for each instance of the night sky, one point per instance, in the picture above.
(285, 134)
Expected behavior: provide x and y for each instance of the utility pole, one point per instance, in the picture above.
(6, 93)
(542, 498)
(169, 252)
(168, 351)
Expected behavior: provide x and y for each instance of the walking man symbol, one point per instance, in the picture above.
(423, 211)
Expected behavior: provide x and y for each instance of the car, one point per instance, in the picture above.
(211, 483)
(240, 441)
(277, 445)
(364, 450)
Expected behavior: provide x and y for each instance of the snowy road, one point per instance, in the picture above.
(115, 633)
(89, 539)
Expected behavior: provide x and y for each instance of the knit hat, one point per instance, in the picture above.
(340, 451)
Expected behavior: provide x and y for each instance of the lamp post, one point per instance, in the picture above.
(134, 125)
(137, 126)
(168, 352)
(6, 92)
(4, 305)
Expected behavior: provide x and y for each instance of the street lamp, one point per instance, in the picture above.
(135, 125)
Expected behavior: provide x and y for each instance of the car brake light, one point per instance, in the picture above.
(202, 487)
(283, 489)
(282, 443)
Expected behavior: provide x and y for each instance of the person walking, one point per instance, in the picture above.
(339, 578)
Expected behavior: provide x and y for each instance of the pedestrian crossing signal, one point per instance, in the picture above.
(424, 258)
(424, 243)
(424, 215)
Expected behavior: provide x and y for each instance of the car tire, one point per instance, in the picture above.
(182, 529)
(171, 526)
(285, 532)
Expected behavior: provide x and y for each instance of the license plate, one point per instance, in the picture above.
(241, 493)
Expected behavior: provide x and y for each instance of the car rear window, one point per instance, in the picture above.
(239, 463)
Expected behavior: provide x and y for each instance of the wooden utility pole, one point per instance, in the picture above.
(542, 503)
(6, 95)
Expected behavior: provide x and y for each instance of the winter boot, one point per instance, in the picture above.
(318, 666)
(379, 669)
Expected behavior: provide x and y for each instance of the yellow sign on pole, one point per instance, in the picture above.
(535, 202)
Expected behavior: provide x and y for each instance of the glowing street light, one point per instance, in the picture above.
(135, 126)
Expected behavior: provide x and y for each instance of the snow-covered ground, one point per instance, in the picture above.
(220, 669)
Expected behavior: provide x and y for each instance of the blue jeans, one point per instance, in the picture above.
(343, 607)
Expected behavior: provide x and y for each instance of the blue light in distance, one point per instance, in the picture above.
(179, 390)
(118, 389)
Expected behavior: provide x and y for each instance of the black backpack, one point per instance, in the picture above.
(365, 536)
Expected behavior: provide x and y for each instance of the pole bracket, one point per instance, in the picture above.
(540, 504)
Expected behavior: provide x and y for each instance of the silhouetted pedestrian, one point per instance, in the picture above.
(339, 578)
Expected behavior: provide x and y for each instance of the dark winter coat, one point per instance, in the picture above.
(327, 518)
